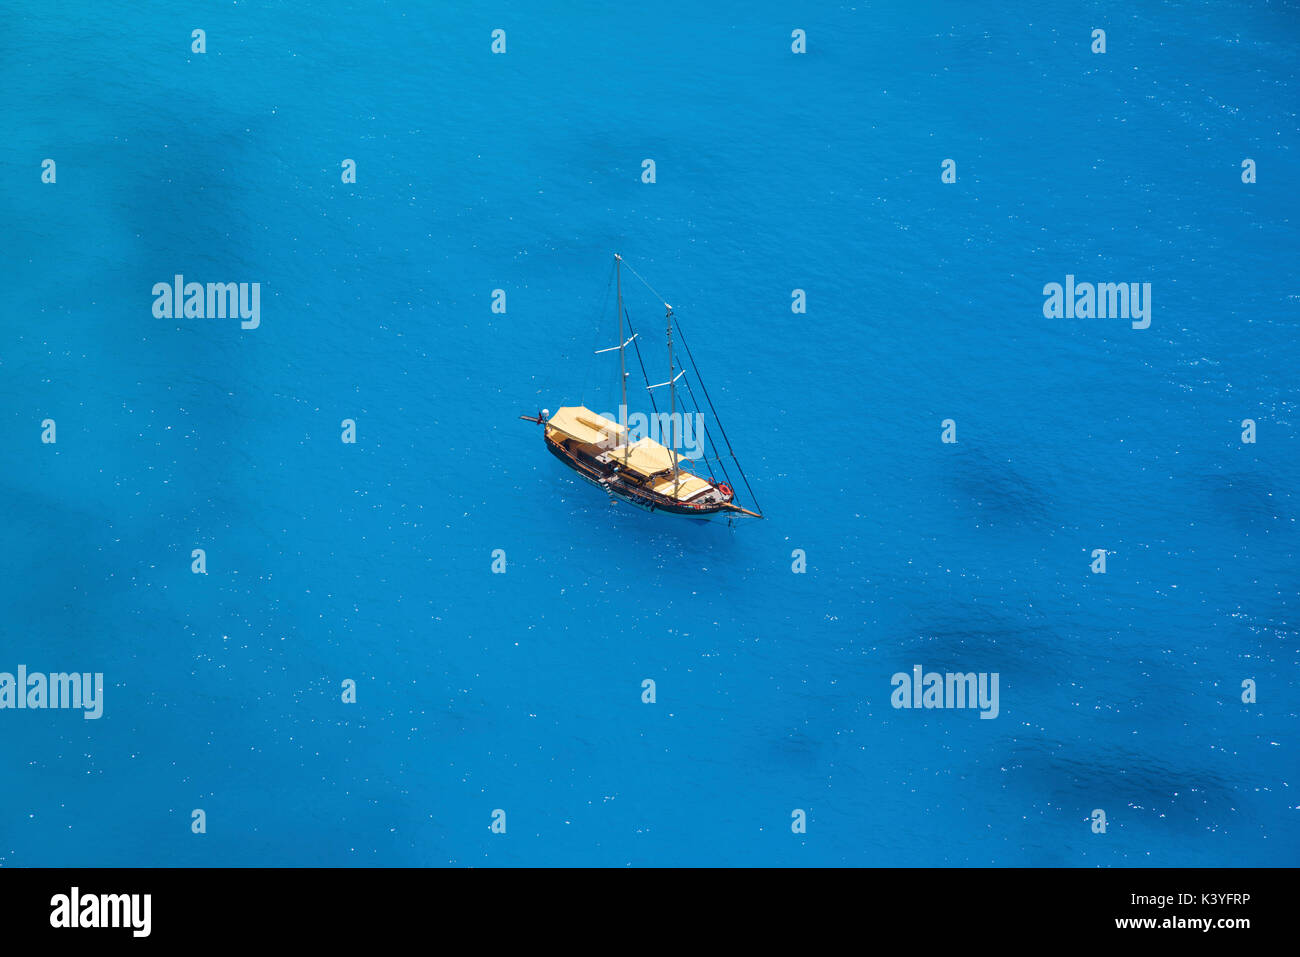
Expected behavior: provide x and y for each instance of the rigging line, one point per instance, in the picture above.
(646, 284)
(722, 464)
(708, 435)
(716, 417)
(654, 405)
(691, 392)
(719, 459)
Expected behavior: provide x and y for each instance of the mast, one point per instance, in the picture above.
(672, 402)
(622, 356)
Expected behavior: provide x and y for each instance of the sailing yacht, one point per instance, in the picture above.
(641, 470)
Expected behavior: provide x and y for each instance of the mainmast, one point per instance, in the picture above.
(672, 402)
(622, 360)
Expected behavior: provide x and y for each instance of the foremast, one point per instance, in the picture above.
(622, 353)
(672, 405)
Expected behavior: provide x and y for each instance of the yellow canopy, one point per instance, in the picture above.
(579, 423)
(690, 486)
(645, 456)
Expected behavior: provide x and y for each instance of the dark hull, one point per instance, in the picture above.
(599, 474)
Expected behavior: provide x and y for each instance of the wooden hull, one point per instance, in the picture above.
(599, 474)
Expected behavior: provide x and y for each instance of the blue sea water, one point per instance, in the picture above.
(522, 691)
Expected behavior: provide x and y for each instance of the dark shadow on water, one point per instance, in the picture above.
(1246, 501)
(994, 487)
(985, 640)
(1130, 786)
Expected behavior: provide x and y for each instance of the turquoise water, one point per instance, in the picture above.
(522, 691)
